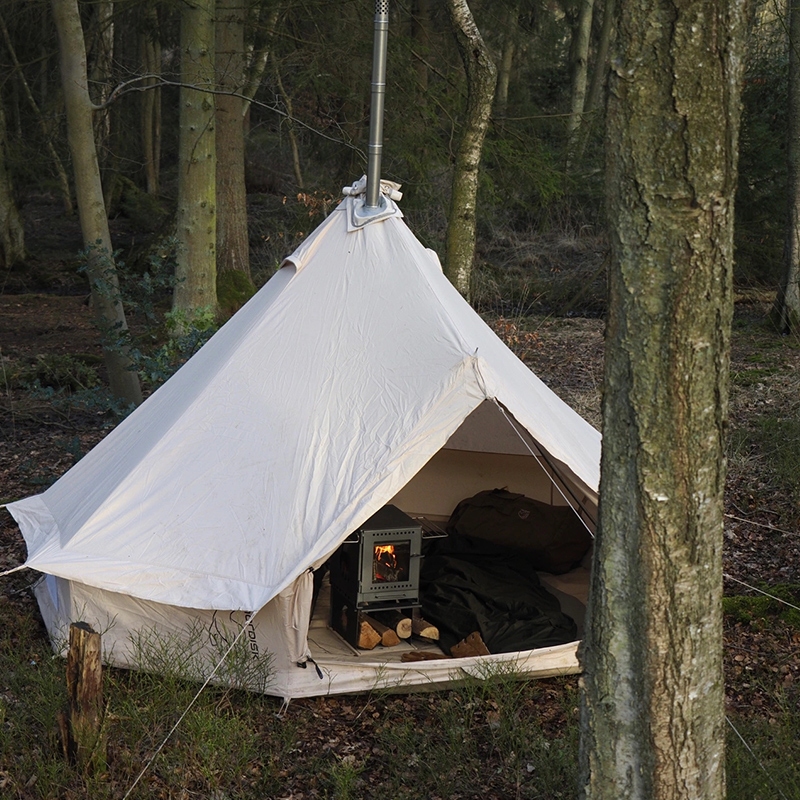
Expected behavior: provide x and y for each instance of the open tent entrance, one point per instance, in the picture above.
(490, 450)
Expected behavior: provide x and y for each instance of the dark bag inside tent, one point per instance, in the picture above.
(554, 537)
(483, 577)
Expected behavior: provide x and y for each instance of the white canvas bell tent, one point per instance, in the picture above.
(357, 377)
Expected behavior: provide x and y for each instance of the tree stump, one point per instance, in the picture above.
(82, 730)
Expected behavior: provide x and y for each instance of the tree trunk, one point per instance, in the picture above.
(290, 126)
(787, 304)
(601, 59)
(652, 724)
(507, 58)
(421, 37)
(258, 54)
(102, 271)
(102, 59)
(232, 239)
(481, 78)
(150, 47)
(63, 180)
(579, 65)
(196, 219)
(598, 81)
(12, 235)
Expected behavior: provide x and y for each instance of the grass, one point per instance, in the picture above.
(492, 738)
(764, 765)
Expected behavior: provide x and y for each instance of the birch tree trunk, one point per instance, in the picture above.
(259, 52)
(12, 235)
(101, 268)
(598, 81)
(600, 71)
(481, 79)
(652, 722)
(787, 304)
(196, 219)
(232, 238)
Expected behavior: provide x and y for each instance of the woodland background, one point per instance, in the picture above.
(538, 279)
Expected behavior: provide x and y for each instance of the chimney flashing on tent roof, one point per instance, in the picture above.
(360, 214)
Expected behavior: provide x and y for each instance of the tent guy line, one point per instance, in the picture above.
(188, 707)
(548, 470)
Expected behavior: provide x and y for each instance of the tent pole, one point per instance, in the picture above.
(376, 109)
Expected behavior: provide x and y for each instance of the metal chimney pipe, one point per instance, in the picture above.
(376, 110)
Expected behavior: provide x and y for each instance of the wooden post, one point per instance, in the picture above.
(85, 742)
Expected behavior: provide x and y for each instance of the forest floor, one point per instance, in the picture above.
(348, 743)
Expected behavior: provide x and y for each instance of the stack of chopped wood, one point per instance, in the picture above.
(387, 628)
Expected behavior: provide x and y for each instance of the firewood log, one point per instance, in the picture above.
(389, 637)
(368, 637)
(399, 622)
(421, 627)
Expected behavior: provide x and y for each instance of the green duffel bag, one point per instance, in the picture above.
(552, 536)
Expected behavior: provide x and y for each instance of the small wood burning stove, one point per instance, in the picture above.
(375, 569)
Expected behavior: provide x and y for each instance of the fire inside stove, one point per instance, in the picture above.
(379, 563)
(390, 562)
(375, 569)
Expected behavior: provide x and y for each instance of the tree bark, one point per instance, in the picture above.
(787, 304)
(601, 59)
(506, 58)
(232, 239)
(652, 721)
(259, 54)
(86, 742)
(150, 47)
(598, 81)
(12, 234)
(196, 218)
(290, 126)
(481, 79)
(108, 310)
(100, 72)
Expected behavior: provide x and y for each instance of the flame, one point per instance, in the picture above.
(385, 550)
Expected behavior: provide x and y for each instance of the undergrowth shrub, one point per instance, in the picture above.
(57, 371)
(758, 610)
(164, 341)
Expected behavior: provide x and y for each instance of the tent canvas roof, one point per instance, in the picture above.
(308, 411)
